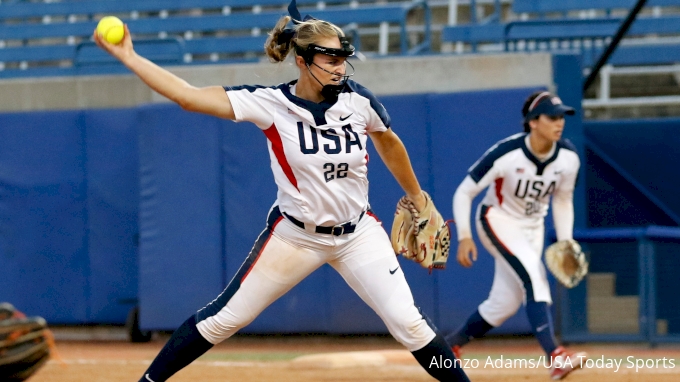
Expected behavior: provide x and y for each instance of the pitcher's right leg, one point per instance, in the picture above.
(271, 269)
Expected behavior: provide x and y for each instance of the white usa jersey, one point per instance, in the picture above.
(317, 150)
(519, 184)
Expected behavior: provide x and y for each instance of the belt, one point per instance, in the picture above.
(336, 230)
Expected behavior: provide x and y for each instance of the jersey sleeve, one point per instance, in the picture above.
(480, 175)
(462, 206)
(377, 118)
(563, 215)
(253, 104)
(563, 202)
(489, 167)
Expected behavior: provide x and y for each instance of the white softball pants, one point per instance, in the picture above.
(285, 254)
(519, 273)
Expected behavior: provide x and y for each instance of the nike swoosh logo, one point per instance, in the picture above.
(392, 271)
(541, 328)
(344, 118)
(558, 172)
(147, 377)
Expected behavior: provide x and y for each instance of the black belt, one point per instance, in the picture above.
(337, 230)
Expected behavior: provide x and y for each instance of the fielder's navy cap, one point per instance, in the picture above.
(548, 104)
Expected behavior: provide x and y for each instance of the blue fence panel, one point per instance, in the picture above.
(113, 205)
(43, 215)
(614, 202)
(180, 254)
(642, 196)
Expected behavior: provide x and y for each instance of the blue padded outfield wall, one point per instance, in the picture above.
(68, 214)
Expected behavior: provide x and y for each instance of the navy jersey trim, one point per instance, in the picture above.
(318, 110)
(485, 163)
(540, 166)
(375, 104)
(235, 284)
(507, 255)
(250, 88)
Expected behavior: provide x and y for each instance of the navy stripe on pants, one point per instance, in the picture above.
(507, 255)
(221, 301)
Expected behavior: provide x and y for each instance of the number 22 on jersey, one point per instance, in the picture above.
(331, 143)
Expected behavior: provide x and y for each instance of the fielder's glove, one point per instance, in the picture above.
(567, 262)
(24, 344)
(423, 237)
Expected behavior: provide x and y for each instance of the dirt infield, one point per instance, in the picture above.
(287, 359)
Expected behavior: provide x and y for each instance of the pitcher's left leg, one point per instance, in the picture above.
(371, 269)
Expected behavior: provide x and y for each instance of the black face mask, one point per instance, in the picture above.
(329, 92)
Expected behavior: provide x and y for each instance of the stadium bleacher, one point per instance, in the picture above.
(650, 47)
(566, 29)
(40, 39)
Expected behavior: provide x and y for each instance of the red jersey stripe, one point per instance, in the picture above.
(499, 187)
(277, 145)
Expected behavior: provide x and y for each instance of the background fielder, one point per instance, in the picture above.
(522, 173)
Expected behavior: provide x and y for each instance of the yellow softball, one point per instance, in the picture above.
(111, 29)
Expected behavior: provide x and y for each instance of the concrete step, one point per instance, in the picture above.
(608, 313)
(618, 326)
(613, 315)
(661, 327)
(601, 284)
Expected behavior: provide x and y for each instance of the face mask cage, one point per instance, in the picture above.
(328, 91)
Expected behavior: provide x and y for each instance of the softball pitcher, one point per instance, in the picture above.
(521, 173)
(317, 128)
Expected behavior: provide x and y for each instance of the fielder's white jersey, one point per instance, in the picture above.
(520, 185)
(317, 150)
